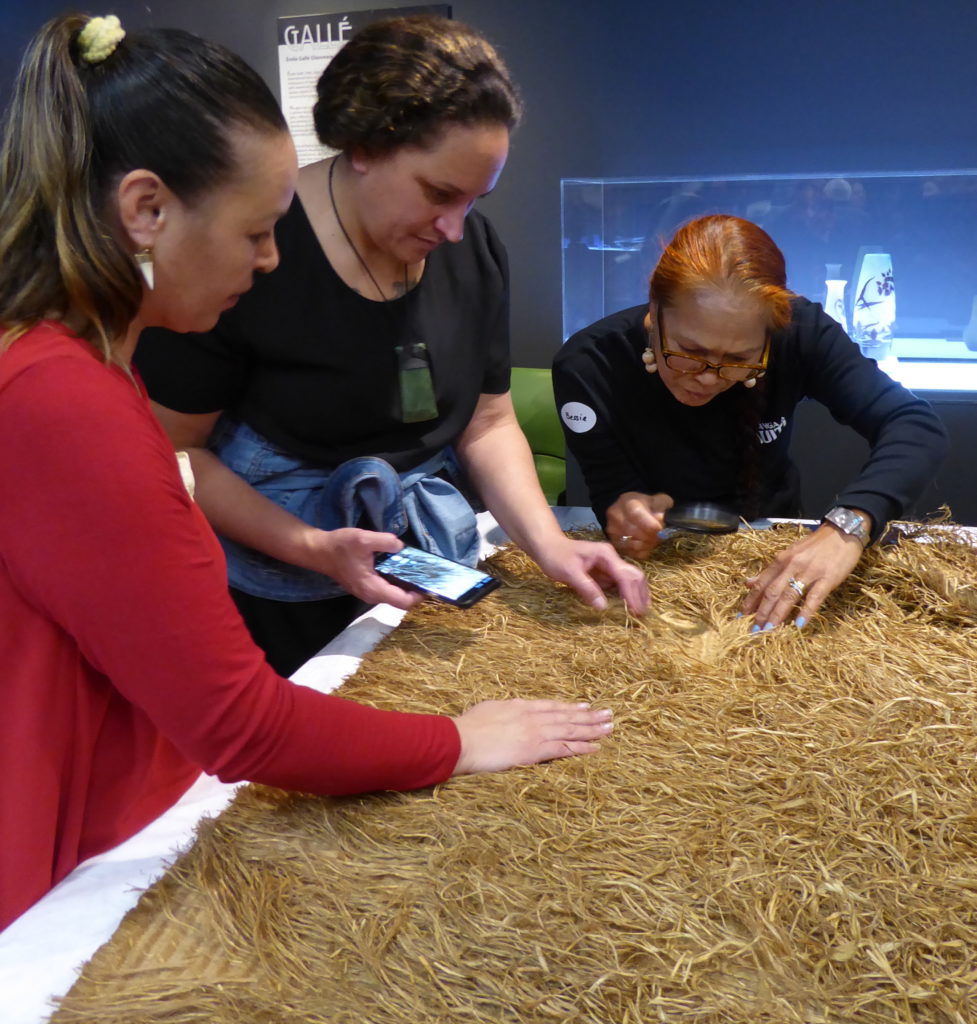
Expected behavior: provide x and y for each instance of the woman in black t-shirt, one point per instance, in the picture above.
(372, 339)
(729, 353)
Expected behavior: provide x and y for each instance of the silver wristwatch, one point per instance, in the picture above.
(848, 522)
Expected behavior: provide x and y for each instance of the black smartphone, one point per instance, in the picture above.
(440, 577)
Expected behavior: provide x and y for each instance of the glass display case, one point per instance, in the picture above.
(892, 256)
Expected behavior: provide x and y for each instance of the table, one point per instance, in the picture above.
(42, 952)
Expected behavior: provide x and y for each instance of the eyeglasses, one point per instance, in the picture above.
(682, 363)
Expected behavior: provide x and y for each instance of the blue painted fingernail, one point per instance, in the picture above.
(800, 622)
(739, 615)
(754, 628)
(769, 625)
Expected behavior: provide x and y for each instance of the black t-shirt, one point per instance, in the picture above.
(311, 364)
(629, 433)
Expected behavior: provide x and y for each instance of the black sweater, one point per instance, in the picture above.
(630, 434)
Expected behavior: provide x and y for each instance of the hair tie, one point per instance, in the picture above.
(99, 38)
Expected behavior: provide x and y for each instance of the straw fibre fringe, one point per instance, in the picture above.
(782, 827)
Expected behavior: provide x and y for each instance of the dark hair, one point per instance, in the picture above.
(724, 252)
(400, 81)
(162, 99)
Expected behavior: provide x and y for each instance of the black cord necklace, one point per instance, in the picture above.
(418, 403)
(349, 241)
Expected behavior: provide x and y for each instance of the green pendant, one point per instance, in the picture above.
(417, 401)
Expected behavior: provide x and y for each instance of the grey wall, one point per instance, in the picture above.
(643, 88)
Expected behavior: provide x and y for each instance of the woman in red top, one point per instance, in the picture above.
(140, 181)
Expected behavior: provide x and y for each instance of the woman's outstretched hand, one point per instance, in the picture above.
(591, 567)
(499, 734)
(801, 577)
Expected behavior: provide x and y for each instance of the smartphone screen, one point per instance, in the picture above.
(440, 577)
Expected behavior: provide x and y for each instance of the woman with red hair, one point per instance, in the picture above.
(692, 398)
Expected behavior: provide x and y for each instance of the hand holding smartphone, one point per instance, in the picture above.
(440, 577)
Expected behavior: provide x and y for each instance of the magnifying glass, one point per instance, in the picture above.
(701, 517)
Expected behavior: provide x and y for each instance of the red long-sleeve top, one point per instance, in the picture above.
(124, 666)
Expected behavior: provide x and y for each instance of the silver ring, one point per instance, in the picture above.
(799, 588)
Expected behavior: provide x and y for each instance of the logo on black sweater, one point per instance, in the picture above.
(768, 432)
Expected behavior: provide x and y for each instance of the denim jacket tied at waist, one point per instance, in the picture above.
(364, 492)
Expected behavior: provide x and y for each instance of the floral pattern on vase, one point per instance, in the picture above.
(874, 305)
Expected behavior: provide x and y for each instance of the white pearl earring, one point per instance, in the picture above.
(648, 358)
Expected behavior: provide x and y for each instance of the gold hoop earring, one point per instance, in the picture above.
(648, 358)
